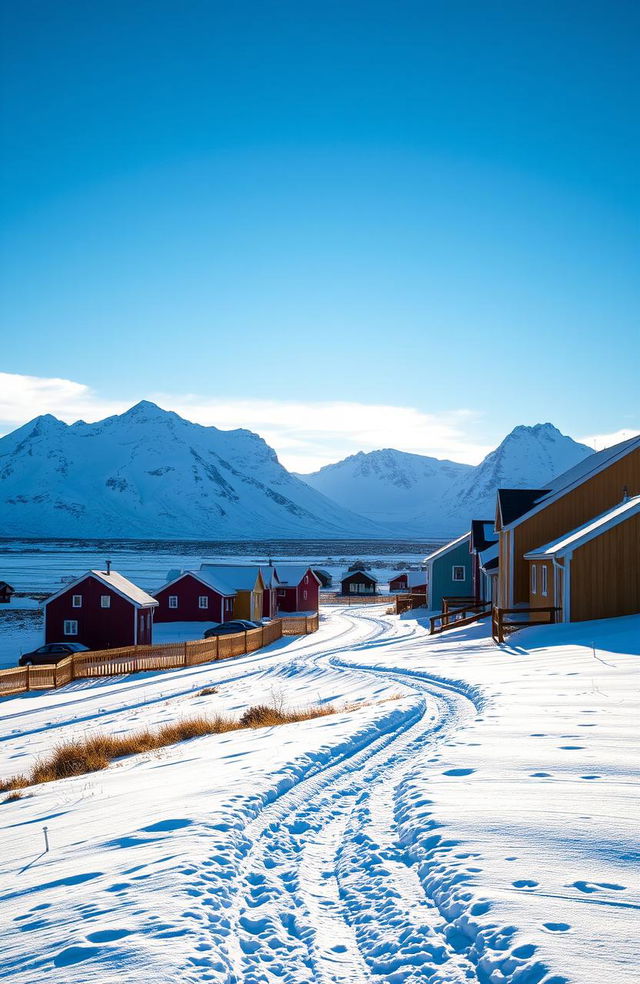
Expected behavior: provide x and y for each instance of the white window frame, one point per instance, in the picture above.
(173, 601)
(458, 567)
(304, 595)
(70, 627)
(544, 581)
(141, 621)
(105, 601)
(203, 601)
(76, 601)
(534, 579)
(228, 604)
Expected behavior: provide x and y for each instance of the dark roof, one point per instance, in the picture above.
(482, 534)
(5, 584)
(358, 575)
(492, 565)
(514, 503)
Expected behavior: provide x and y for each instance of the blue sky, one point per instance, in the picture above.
(343, 225)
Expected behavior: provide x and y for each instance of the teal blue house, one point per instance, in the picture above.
(449, 572)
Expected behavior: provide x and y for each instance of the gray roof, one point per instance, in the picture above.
(239, 577)
(117, 582)
(291, 574)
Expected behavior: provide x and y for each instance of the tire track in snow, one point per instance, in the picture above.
(301, 909)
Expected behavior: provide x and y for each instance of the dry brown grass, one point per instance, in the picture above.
(79, 756)
(207, 691)
(17, 795)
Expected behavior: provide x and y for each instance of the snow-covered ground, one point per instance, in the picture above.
(472, 821)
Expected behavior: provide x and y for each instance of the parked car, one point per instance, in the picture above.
(226, 628)
(53, 652)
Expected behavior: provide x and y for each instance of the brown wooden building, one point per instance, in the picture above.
(6, 590)
(358, 583)
(593, 571)
(528, 518)
(247, 583)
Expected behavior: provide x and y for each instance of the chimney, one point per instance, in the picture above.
(108, 568)
(625, 494)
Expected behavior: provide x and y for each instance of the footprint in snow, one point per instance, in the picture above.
(589, 887)
(458, 772)
(525, 883)
(558, 927)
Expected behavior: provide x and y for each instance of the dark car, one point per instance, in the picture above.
(53, 652)
(226, 628)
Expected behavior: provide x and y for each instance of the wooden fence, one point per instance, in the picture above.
(407, 602)
(507, 620)
(139, 659)
(334, 598)
(464, 615)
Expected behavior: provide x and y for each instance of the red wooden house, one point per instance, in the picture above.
(413, 581)
(101, 610)
(297, 589)
(195, 596)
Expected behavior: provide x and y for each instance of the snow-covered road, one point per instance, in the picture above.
(472, 821)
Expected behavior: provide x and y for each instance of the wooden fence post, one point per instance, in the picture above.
(245, 642)
(28, 668)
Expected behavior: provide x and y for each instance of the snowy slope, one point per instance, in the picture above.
(388, 486)
(480, 827)
(426, 496)
(150, 474)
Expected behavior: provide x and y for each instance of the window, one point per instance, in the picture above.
(203, 601)
(142, 623)
(105, 601)
(458, 573)
(306, 579)
(353, 588)
(282, 593)
(70, 627)
(543, 579)
(228, 604)
(534, 579)
(173, 601)
(304, 595)
(76, 601)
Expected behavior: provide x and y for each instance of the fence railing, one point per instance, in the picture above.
(407, 602)
(139, 659)
(334, 598)
(504, 621)
(456, 617)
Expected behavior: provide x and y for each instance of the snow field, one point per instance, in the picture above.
(473, 821)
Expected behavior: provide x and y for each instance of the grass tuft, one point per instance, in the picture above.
(79, 756)
(207, 691)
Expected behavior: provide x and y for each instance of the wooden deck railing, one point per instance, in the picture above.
(139, 659)
(456, 617)
(504, 621)
(407, 602)
(333, 598)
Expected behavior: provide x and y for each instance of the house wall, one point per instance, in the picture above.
(98, 628)
(188, 590)
(595, 496)
(248, 604)
(536, 598)
(398, 583)
(504, 598)
(605, 574)
(304, 597)
(441, 581)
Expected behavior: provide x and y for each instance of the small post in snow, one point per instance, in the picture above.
(45, 831)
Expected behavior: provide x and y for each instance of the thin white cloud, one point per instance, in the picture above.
(305, 435)
(600, 441)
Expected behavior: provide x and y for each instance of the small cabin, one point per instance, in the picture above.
(449, 573)
(195, 596)
(6, 591)
(592, 571)
(101, 610)
(359, 583)
(483, 547)
(323, 576)
(298, 588)
(413, 581)
(247, 583)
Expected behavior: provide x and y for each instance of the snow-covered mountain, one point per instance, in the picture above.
(389, 486)
(148, 473)
(422, 496)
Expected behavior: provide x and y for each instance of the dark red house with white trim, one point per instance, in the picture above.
(413, 581)
(101, 610)
(297, 589)
(270, 596)
(195, 596)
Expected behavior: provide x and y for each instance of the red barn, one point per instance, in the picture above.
(297, 589)
(195, 596)
(413, 581)
(102, 610)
